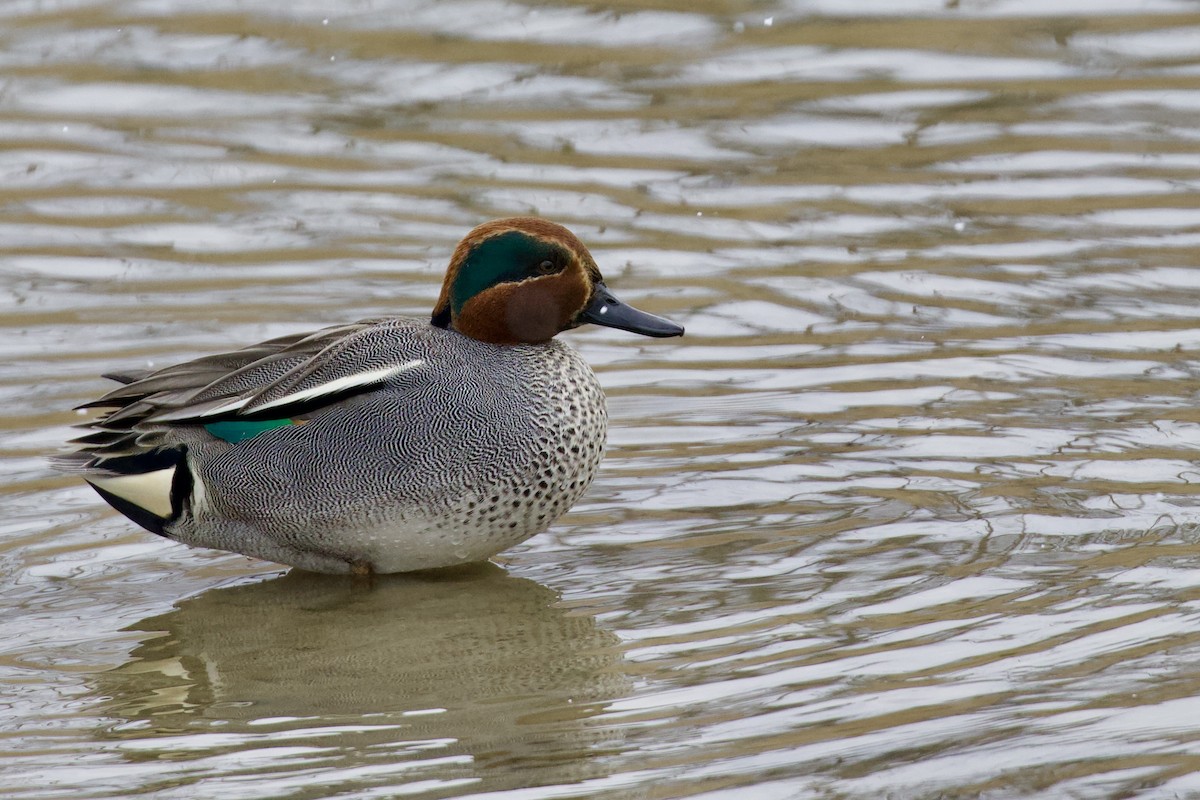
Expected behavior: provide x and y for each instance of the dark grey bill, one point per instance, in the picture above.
(605, 309)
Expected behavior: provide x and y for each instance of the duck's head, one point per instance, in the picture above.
(524, 280)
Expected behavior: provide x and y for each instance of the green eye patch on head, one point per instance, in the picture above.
(508, 257)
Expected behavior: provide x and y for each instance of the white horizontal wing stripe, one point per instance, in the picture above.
(225, 408)
(192, 412)
(341, 384)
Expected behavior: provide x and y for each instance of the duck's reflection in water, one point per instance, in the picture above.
(469, 674)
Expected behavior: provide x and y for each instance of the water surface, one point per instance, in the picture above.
(909, 512)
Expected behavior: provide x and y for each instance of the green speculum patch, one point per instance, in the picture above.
(507, 258)
(234, 431)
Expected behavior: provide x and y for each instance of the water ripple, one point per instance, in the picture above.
(911, 509)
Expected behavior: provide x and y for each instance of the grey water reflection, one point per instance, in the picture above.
(470, 677)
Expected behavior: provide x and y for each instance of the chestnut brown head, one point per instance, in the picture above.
(522, 280)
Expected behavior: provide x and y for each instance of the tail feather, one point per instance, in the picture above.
(130, 508)
(127, 377)
(76, 462)
(152, 488)
(100, 437)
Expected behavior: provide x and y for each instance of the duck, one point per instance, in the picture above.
(391, 444)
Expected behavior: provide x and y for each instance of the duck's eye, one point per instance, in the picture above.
(546, 267)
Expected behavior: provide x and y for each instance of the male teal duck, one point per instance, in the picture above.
(387, 445)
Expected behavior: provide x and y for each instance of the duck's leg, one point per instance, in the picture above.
(361, 571)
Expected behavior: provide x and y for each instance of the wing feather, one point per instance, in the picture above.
(283, 377)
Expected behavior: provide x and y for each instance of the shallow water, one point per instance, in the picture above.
(909, 512)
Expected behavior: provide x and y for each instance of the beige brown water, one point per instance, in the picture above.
(909, 512)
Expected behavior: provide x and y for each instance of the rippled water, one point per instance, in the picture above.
(909, 512)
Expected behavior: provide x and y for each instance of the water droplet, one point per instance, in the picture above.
(325, 21)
